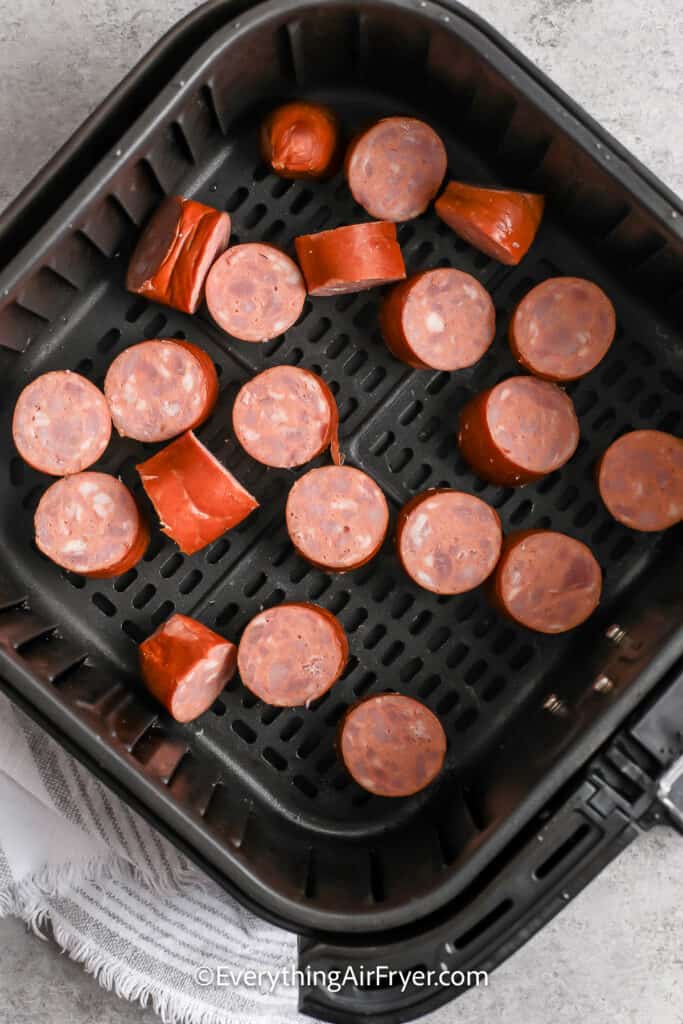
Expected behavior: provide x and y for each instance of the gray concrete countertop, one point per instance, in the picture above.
(615, 953)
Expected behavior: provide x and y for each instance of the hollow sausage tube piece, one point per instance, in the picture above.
(61, 423)
(438, 320)
(161, 388)
(175, 251)
(286, 416)
(518, 431)
(395, 168)
(391, 745)
(337, 517)
(562, 328)
(255, 292)
(185, 666)
(640, 479)
(546, 581)
(90, 524)
(448, 541)
(292, 654)
(196, 498)
(301, 140)
(350, 259)
(497, 221)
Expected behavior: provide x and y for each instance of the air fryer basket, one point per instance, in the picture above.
(256, 793)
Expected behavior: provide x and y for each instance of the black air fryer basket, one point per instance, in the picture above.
(575, 739)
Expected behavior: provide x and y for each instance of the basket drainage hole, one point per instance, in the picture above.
(244, 731)
(305, 786)
(103, 604)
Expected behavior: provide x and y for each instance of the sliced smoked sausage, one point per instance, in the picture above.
(439, 319)
(350, 259)
(518, 431)
(395, 168)
(292, 654)
(174, 253)
(286, 416)
(186, 666)
(497, 221)
(196, 498)
(391, 745)
(90, 524)
(546, 581)
(448, 541)
(158, 389)
(301, 140)
(255, 292)
(61, 423)
(337, 517)
(640, 479)
(562, 328)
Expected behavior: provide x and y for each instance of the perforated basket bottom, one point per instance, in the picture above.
(472, 668)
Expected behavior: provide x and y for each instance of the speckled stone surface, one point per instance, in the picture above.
(614, 955)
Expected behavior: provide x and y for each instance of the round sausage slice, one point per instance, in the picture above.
(158, 389)
(497, 221)
(292, 654)
(61, 423)
(546, 581)
(447, 541)
(438, 320)
(255, 292)
(518, 431)
(301, 140)
(395, 168)
(186, 666)
(350, 259)
(640, 479)
(562, 328)
(391, 745)
(286, 416)
(337, 517)
(90, 524)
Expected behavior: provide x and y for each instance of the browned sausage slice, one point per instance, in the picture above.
(292, 654)
(61, 423)
(640, 479)
(440, 320)
(395, 168)
(90, 524)
(301, 140)
(255, 292)
(286, 416)
(351, 258)
(337, 517)
(562, 328)
(546, 581)
(497, 221)
(518, 431)
(185, 666)
(447, 541)
(392, 745)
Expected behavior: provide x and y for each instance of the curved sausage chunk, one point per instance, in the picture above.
(391, 745)
(292, 654)
(90, 524)
(447, 541)
(518, 431)
(546, 581)
(562, 328)
(438, 320)
(185, 666)
(196, 498)
(350, 259)
(286, 416)
(175, 251)
(395, 168)
(158, 389)
(640, 479)
(497, 221)
(61, 423)
(255, 292)
(301, 140)
(337, 517)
